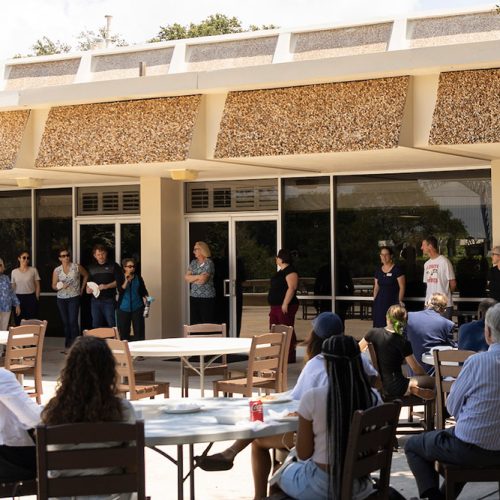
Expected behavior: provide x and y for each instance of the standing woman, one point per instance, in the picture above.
(131, 301)
(200, 275)
(282, 297)
(26, 283)
(69, 280)
(389, 286)
(8, 299)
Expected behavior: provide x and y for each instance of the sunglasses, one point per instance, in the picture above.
(64, 255)
(25, 258)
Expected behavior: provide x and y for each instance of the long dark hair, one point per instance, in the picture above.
(348, 390)
(86, 390)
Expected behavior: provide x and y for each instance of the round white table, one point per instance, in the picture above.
(185, 347)
(4, 335)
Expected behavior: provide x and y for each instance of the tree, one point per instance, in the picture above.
(216, 24)
(45, 47)
(87, 40)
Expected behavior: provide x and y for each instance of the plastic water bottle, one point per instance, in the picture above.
(149, 300)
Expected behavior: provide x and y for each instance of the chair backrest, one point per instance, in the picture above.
(205, 330)
(124, 365)
(42, 323)
(63, 447)
(283, 369)
(447, 366)
(24, 346)
(103, 333)
(369, 447)
(264, 356)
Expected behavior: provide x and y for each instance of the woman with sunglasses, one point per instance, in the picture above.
(69, 280)
(26, 283)
(131, 301)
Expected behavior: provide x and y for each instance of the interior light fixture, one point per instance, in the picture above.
(29, 182)
(184, 174)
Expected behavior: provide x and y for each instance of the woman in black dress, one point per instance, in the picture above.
(389, 286)
(392, 349)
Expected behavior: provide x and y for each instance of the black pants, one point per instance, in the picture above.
(202, 310)
(29, 307)
(125, 318)
(17, 463)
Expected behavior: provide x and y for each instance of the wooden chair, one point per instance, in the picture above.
(126, 375)
(18, 488)
(23, 355)
(263, 367)
(369, 447)
(445, 375)
(111, 332)
(408, 401)
(215, 368)
(122, 453)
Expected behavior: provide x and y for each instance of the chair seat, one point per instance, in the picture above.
(153, 388)
(241, 382)
(463, 473)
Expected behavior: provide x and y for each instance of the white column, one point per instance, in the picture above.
(495, 201)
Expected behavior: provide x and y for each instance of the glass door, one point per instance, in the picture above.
(243, 251)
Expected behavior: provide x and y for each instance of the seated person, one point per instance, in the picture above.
(392, 349)
(325, 325)
(474, 402)
(471, 335)
(325, 415)
(428, 328)
(87, 392)
(18, 414)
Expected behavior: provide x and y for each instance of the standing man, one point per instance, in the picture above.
(438, 273)
(104, 274)
(493, 285)
(474, 402)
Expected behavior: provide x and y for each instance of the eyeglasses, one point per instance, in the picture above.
(495, 253)
(64, 255)
(130, 265)
(24, 257)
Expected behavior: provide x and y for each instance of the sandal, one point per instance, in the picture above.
(214, 462)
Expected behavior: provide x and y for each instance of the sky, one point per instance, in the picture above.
(22, 22)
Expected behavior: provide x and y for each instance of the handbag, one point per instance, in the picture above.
(292, 457)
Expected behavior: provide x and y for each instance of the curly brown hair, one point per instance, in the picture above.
(86, 390)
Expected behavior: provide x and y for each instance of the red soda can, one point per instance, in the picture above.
(256, 410)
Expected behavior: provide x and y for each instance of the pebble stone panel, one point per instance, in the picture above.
(12, 125)
(468, 108)
(34, 75)
(333, 117)
(342, 42)
(235, 54)
(141, 131)
(113, 66)
(450, 30)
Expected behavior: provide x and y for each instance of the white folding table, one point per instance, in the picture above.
(185, 347)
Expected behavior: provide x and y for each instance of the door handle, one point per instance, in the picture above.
(227, 288)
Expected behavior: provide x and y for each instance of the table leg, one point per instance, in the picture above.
(202, 376)
(191, 468)
(180, 472)
(182, 378)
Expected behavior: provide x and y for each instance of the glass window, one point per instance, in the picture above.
(54, 231)
(399, 210)
(15, 226)
(306, 233)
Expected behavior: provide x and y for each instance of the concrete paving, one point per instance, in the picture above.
(235, 484)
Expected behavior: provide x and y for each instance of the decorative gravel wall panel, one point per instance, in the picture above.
(450, 30)
(468, 108)
(113, 66)
(12, 125)
(142, 131)
(33, 75)
(350, 116)
(233, 54)
(342, 42)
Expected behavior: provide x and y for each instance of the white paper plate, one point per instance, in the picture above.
(277, 399)
(94, 287)
(184, 408)
(288, 418)
(59, 285)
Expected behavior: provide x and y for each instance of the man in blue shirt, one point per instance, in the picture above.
(428, 328)
(474, 402)
(471, 335)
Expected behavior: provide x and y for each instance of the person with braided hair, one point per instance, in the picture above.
(392, 349)
(325, 415)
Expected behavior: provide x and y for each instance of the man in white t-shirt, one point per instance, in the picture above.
(438, 273)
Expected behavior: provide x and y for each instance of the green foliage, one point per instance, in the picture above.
(216, 24)
(86, 40)
(45, 47)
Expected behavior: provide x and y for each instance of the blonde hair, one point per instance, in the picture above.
(398, 317)
(438, 302)
(204, 249)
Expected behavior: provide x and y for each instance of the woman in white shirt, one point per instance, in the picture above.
(324, 419)
(26, 283)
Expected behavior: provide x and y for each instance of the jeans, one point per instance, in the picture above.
(124, 318)
(103, 312)
(68, 309)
